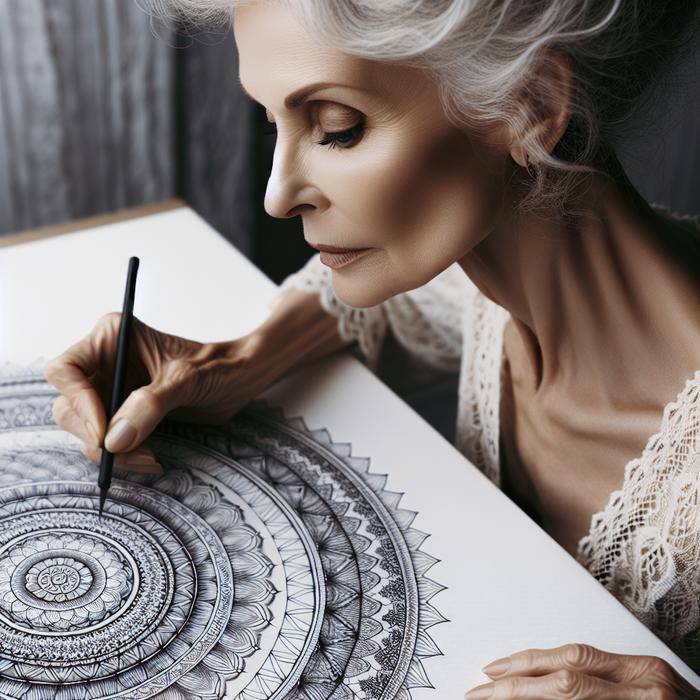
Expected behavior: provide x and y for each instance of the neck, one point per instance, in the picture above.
(598, 300)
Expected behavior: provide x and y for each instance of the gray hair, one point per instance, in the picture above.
(486, 57)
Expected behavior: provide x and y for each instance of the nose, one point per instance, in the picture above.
(289, 190)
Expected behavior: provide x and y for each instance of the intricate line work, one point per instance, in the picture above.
(267, 563)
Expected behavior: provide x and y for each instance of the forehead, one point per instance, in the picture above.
(277, 54)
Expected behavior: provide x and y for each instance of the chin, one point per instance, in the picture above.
(359, 295)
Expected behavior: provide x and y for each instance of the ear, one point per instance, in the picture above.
(548, 97)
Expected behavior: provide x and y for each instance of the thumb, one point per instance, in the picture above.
(138, 416)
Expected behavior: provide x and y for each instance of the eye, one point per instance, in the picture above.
(344, 139)
(332, 139)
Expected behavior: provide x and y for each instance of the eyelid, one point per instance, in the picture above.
(339, 120)
(318, 105)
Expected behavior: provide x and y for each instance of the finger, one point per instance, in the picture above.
(69, 374)
(573, 657)
(153, 468)
(66, 418)
(92, 453)
(141, 460)
(554, 686)
(142, 456)
(139, 415)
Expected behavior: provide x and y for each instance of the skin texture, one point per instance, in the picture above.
(587, 316)
(590, 300)
(594, 303)
(410, 172)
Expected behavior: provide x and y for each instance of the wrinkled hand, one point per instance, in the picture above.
(166, 376)
(580, 672)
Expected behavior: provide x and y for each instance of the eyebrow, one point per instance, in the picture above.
(295, 98)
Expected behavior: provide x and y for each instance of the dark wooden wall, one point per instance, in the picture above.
(217, 137)
(86, 118)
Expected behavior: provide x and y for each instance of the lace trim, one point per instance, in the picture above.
(428, 320)
(644, 545)
(477, 430)
(650, 525)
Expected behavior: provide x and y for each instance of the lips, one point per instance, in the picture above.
(335, 249)
(336, 260)
(335, 256)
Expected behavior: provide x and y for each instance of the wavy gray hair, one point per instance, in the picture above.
(487, 56)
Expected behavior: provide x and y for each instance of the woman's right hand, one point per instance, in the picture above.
(166, 375)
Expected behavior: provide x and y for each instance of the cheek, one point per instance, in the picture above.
(371, 185)
(423, 205)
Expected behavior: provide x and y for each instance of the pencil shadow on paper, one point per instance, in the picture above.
(267, 562)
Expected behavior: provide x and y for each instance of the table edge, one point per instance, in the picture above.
(96, 221)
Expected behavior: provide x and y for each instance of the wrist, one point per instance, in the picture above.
(260, 353)
(298, 331)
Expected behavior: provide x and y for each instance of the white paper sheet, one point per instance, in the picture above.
(509, 585)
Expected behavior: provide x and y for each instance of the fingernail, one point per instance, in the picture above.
(482, 692)
(92, 433)
(498, 667)
(120, 436)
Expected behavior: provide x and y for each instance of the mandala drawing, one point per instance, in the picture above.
(267, 562)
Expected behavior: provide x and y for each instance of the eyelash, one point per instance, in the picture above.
(331, 138)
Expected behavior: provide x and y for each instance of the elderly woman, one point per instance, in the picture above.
(451, 161)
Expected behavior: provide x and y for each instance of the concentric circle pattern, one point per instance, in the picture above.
(267, 562)
(63, 581)
(56, 579)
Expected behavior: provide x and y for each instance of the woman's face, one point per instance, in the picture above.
(400, 179)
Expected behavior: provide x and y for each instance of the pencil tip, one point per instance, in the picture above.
(103, 498)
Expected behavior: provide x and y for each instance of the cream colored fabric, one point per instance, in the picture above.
(645, 545)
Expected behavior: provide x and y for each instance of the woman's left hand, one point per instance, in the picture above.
(580, 671)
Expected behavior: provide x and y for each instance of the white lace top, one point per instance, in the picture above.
(644, 547)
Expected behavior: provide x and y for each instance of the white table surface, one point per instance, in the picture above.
(509, 585)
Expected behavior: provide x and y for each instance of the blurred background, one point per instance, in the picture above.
(103, 108)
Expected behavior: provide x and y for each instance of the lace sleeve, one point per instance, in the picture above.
(644, 546)
(426, 320)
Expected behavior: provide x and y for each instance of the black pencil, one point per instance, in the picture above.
(105, 478)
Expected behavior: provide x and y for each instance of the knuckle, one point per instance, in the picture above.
(59, 410)
(52, 368)
(578, 656)
(529, 658)
(181, 370)
(509, 688)
(567, 682)
(152, 401)
(106, 326)
(659, 669)
(55, 369)
(110, 319)
(180, 376)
